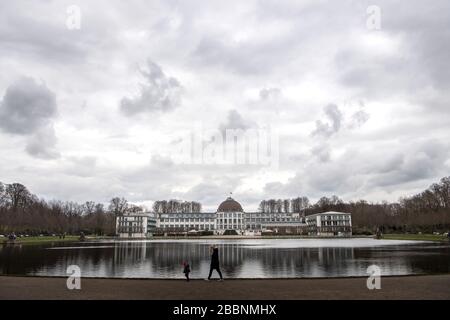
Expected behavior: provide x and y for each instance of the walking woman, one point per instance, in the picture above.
(214, 251)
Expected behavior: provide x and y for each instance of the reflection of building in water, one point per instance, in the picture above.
(230, 218)
(293, 262)
(130, 252)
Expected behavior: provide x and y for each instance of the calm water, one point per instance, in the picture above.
(238, 258)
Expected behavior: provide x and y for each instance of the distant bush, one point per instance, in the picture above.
(230, 233)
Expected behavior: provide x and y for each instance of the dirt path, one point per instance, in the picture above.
(410, 287)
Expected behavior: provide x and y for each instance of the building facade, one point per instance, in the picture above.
(230, 219)
(132, 225)
(185, 222)
(329, 223)
(152, 223)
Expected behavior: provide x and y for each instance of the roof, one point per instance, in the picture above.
(230, 205)
(327, 213)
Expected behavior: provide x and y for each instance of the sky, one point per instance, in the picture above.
(97, 98)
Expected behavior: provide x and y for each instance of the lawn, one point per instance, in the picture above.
(30, 240)
(421, 237)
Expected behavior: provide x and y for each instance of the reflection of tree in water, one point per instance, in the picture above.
(292, 262)
(40, 260)
(164, 259)
(234, 258)
(167, 257)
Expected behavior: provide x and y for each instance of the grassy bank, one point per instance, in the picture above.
(37, 240)
(419, 237)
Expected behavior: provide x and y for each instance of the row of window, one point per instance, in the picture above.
(230, 215)
(188, 216)
(189, 227)
(336, 217)
(256, 220)
(138, 219)
(335, 223)
(129, 223)
(130, 230)
(185, 220)
(226, 221)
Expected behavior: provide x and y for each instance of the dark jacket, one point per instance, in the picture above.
(187, 268)
(215, 258)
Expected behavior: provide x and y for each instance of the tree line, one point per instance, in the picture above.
(176, 206)
(23, 212)
(296, 205)
(427, 211)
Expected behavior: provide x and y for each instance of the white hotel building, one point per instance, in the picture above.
(230, 218)
(132, 225)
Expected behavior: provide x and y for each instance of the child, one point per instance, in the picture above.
(186, 270)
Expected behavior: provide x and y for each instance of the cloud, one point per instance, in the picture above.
(269, 93)
(327, 129)
(420, 162)
(158, 93)
(321, 152)
(358, 119)
(229, 65)
(234, 121)
(42, 144)
(28, 109)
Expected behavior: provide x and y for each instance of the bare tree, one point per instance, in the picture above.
(17, 195)
(89, 207)
(118, 206)
(134, 209)
(3, 196)
(286, 206)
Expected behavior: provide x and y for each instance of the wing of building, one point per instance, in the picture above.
(231, 219)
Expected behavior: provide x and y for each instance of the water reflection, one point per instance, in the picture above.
(239, 259)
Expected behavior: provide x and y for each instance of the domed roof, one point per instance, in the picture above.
(230, 205)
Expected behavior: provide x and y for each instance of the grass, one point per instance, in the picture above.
(37, 240)
(420, 237)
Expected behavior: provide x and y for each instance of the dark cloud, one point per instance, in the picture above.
(159, 93)
(422, 161)
(224, 53)
(27, 107)
(361, 171)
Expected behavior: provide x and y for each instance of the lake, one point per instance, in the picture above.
(243, 258)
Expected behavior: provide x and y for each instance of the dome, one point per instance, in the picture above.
(230, 205)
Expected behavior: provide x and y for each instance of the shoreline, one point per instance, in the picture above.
(72, 239)
(228, 279)
(349, 288)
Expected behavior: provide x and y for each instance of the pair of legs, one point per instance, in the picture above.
(187, 276)
(218, 271)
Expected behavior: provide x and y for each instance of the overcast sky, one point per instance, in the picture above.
(97, 112)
